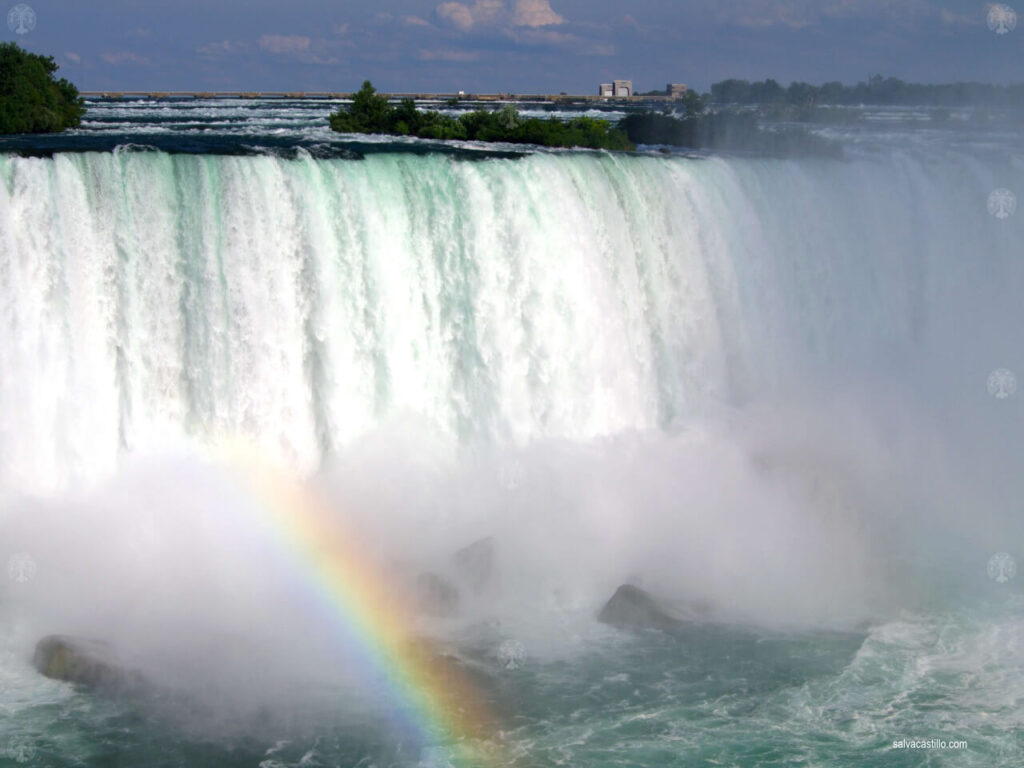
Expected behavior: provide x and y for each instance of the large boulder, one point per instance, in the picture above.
(633, 608)
(426, 592)
(435, 596)
(85, 662)
(475, 563)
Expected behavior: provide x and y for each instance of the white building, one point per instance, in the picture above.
(617, 89)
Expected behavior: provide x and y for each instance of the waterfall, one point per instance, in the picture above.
(150, 299)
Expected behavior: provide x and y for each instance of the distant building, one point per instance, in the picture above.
(675, 90)
(617, 89)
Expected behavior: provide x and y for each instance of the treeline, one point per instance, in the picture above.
(32, 100)
(694, 127)
(876, 90)
(725, 130)
(372, 113)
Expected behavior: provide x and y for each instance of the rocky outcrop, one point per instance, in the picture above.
(475, 564)
(84, 662)
(439, 592)
(435, 596)
(633, 608)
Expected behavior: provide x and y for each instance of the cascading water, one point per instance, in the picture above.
(755, 385)
(149, 297)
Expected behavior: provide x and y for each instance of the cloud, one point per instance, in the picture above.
(221, 49)
(290, 44)
(552, 38)
(458, 14)
(416, 21)
(951, 18)
(535, 13)
(798, 14)
(528, 23)
(447, 54)
(772, 13)
(494, 13)
(309, 50)
(123, 57)
(72, 56)
(465, 17)
(139, 33)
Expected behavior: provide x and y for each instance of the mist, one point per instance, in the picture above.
(775, 518)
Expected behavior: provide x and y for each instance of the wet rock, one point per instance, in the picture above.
(84, 662)
(475, 563)
(633, 608)
(435, 596)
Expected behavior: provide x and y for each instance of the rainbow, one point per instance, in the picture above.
(433, 694)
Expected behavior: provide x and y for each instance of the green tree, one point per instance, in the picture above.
(693, 103)
(369, 113)
(509, 117)
(32, 100)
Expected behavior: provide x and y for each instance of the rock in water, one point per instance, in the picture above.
(85, 662)
(633, 608)
(475, 563)
(435, 596)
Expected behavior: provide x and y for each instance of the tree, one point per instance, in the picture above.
(369, 113)
(731, 91)
(508, 117)
(32, 100)
(693, 103)
(875, 90)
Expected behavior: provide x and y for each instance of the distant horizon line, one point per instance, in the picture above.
(464, 95)
(656, 93)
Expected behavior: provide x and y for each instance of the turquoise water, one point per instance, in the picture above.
(711, 696)
(756, 387)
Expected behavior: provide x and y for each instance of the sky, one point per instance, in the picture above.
(512, 46)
